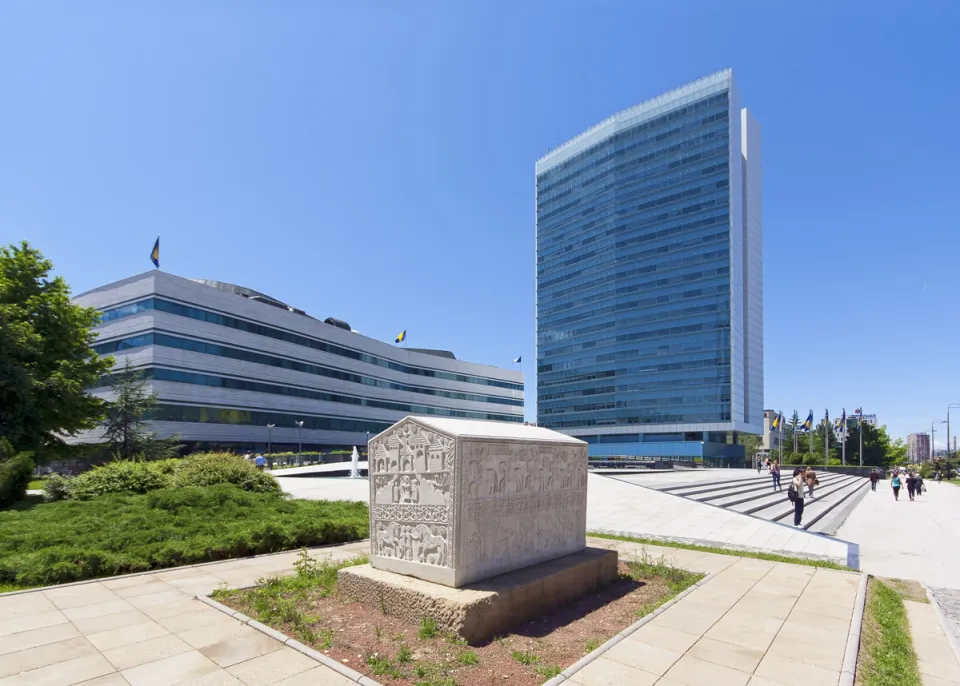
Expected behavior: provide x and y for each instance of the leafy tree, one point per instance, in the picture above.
(751, 444)
(878, 449)
(125, 425)
(46, 362)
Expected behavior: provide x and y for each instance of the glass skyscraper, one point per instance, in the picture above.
(649, 278)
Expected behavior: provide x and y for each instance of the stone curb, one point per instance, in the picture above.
(173, 569)
(849, 670)
(732, 548)
(944, 622)
(326, 661)
(590, 657)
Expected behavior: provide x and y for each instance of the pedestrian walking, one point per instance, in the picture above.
(775, 475)
(260, 461)
(759, 464)
(810, 477)
(939, 477)
(795, 494)
(874, 478)
(920, 486)
(895, 484)
(911, 485)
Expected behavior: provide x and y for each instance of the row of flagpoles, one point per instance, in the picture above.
(402, 338)
(839, 427)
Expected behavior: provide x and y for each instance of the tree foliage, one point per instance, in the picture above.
(125, 426)
(46, 361)
(16, 470)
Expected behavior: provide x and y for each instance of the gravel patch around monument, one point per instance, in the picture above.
(390, 649)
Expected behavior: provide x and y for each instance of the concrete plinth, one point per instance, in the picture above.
(482, 610)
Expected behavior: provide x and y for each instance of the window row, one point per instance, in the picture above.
(219, 350)
(225, 415)
(176, 308)
(179, 376)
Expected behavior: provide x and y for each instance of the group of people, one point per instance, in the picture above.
(912, 480)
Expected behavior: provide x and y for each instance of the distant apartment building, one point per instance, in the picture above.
(771, 437)
(918, 447)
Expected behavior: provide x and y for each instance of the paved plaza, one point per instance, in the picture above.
(744, 625)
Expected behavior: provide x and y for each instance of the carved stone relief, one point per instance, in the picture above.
(469, 508)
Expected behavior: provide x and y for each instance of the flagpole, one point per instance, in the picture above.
(811, 432)
(843, 445)
(826, 437)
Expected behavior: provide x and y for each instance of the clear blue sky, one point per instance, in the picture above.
(374, 161)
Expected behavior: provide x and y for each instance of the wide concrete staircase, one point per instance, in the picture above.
(833, 500)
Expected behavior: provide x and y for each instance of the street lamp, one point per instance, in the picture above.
(269, 445)
(932, 431)
(299, 442)
(948, 426)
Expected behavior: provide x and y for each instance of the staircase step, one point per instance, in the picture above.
(766, 495)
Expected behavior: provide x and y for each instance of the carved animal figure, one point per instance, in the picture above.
(433, 547)
(386, 540)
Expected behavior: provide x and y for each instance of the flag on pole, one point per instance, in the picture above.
(517, 360)
(859, 417)
(843, 422)
(402, 337)
(155, 254)
(807, 425)
(775, 424)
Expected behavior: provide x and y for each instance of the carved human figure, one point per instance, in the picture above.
(405, 489)
(473, 478)
(414, 490)
(395, 489)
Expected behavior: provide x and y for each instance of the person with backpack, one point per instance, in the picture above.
(874, 478)
(895, 484)
(920, 485)
(795, 495)
(775, 475)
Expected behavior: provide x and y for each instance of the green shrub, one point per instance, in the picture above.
(15, 473)
(207, 469)
(56, 487)
(139, 476)
(118, 477)
(113, 534)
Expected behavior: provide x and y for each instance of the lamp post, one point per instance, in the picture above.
(299, 442)
(948, 426)
(269, 444)
(932, 432)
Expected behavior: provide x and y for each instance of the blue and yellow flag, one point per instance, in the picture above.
(518, 360)
(155, 254)
(807, 425)
(402, 337)
(775, 424)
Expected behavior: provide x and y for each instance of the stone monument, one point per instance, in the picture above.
(456, 502)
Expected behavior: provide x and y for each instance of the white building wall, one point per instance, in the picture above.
(753, 260)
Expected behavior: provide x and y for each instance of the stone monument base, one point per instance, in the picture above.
(482, 610)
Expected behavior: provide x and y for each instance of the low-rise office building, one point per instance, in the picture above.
(236, 369)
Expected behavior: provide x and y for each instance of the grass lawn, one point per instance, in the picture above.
(772, 557)
(886, 656)
(43, 544)
(36, 485)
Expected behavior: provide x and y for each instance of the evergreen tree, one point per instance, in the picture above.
(126, 425)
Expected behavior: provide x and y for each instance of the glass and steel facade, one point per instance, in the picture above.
(226, 364)
(649, 278)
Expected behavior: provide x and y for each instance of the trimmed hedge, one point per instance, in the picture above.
(118, 534)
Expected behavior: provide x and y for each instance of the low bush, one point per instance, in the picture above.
(208, 469)
(117, 477)
(15, 473)
(138, 477)
(114, 534)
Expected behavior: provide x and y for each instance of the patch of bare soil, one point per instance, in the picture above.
(908, 590)
(394, 651)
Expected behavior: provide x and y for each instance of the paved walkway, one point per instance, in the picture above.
(756, 622)
(935, 657)
(616, 506)
(917, 540)
(149, 630)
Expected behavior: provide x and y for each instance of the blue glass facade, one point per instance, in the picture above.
(642, 256)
